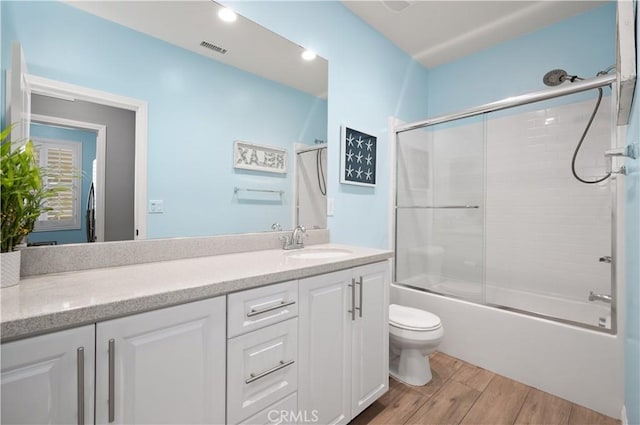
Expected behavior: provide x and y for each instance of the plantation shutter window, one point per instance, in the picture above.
(60, 162)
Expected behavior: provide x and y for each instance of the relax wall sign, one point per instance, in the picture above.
(249, 156)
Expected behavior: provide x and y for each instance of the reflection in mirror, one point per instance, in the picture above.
(62, 150)
(311, 188)
(206, 83)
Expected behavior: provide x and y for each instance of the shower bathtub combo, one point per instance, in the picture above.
(506, 227)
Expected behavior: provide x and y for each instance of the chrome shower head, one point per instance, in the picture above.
(554, 77)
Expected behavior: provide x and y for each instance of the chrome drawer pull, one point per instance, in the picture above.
(360, 308)
(282, 365)
(282, 304)
(80, 369)
(353, 299)
(112, 380)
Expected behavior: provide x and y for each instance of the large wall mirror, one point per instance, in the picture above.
(234, 120)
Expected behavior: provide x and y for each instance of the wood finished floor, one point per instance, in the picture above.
(461, 393)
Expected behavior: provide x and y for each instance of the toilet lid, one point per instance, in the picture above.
(412, 318)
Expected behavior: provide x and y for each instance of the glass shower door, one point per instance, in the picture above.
(546, 231)
(440, 209)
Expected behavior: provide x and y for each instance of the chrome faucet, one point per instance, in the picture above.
(600, 297)
(295, 240)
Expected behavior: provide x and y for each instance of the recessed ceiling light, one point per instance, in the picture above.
(308, 55)
(227, 15)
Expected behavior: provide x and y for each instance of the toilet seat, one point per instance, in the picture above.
(412, 318)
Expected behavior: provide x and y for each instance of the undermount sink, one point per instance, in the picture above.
(318, 253)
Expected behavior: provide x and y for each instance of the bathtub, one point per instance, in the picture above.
(574, 311)
(584, 366)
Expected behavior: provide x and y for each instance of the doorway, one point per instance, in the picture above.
(114, 189)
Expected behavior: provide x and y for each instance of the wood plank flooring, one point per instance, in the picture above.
(461, 393)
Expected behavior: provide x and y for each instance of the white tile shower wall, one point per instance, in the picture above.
(458, 181)
(415, 188)
(544, 230)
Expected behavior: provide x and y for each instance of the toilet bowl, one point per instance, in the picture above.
(413, 335)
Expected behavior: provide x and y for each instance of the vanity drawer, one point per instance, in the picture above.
(262, 368)
(256, 308)
(283, 412)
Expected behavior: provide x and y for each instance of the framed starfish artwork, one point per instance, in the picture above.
(357, 157)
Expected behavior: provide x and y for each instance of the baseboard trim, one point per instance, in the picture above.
(623, 415)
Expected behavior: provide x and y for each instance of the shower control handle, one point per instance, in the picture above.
(605, 259)
(628, 151)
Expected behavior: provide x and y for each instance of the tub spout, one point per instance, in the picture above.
(599, 297)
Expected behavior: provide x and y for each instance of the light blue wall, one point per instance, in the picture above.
(370, 79)
(583, 45)
(88, 140)
(632, 265)
(394, 85)
(197, 108)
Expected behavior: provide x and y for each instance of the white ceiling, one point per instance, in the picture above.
(435, 32)
(187, 23)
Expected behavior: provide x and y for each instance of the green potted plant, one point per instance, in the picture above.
(23, 200)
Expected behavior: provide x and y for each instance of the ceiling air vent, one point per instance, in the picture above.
(213, 47)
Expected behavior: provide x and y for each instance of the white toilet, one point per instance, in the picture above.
(413, 335)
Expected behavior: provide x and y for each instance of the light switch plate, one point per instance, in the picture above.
(331, 204)
(156, 207)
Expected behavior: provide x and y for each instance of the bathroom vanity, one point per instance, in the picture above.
(255, 337)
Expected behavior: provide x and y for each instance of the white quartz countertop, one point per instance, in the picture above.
(50, 302)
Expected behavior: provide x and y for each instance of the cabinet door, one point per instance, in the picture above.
(370, 336)
(43, 378)
(324, 382)
(166, 366)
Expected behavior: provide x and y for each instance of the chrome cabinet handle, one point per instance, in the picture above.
(282, 304)
(361, 290)
(353, 299)
(112, 379)
(282, 365)
(80, 369)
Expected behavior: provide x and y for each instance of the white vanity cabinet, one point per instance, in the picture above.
(48, 379)
(164, 366)
(343, 349)
(262, 352)
(313, 350)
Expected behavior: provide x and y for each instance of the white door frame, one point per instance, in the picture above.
(53, 88)
(101, 152)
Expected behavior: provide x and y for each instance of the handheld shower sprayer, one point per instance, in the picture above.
(556, 77)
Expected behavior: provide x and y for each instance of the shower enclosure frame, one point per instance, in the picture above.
(510, 102)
